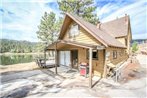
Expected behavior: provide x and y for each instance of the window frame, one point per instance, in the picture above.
(87, 54)
(73, 27)
(114, 54)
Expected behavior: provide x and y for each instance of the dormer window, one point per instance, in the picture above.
(74, 30)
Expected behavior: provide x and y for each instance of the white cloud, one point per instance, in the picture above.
(131, 9)
(24, 19)
(106, 9)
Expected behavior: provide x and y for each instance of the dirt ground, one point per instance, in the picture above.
(68, 83)
(18, 67)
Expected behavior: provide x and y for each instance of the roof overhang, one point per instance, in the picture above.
(73, 43)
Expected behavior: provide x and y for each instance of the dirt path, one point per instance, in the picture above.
(18, 67)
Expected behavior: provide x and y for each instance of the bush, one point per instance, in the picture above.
(134, 47)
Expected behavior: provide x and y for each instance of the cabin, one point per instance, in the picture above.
(102, 46)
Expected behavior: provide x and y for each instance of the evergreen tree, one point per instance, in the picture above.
(48, 28)
(16, 46)
(82, 8)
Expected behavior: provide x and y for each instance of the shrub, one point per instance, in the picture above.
(134, 47)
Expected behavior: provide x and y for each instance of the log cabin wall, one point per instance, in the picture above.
(98, 65)
(121, 55)
(82, 37)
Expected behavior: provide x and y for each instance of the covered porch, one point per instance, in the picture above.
(70, 54)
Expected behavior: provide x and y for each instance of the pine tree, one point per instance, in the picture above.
(82, 8)
(48, 28)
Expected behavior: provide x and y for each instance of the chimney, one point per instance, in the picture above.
(99, 25)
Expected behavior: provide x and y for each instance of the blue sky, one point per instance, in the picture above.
(20, 18)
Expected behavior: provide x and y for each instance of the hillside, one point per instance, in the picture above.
(15, 46)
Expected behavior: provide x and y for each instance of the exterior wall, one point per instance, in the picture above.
(126, 40)
(98, 65)
(83, 37)
(122, 40)
(121, 55)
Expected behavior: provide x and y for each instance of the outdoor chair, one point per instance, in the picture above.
(40, 63)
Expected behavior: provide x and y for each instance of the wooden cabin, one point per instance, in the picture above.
(80, 41)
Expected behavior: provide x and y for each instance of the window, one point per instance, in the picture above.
(114, 54)
(74, 30)
(94, 54)
(126, 42)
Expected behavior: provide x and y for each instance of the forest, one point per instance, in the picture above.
(14, 46)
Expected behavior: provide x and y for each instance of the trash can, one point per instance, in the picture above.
(84, 69)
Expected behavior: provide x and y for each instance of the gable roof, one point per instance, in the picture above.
(118, 27)
(100, 34)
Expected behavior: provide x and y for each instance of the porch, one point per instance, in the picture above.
(70, 54)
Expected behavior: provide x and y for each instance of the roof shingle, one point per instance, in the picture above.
(117, 27)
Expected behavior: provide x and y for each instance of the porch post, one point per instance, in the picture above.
(105, 66)
(56, 59)
(90, 67)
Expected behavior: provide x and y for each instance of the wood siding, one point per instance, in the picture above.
(126, 41)
(122, 40)
(121, 55)
(97, 65)
(83, 37)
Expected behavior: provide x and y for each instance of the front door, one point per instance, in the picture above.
(74, 58)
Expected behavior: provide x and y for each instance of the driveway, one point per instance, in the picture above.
(43, 83)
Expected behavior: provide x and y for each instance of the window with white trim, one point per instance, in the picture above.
(94, 54)
(74, 30)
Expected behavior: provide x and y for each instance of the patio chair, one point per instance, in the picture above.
(40, 63)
